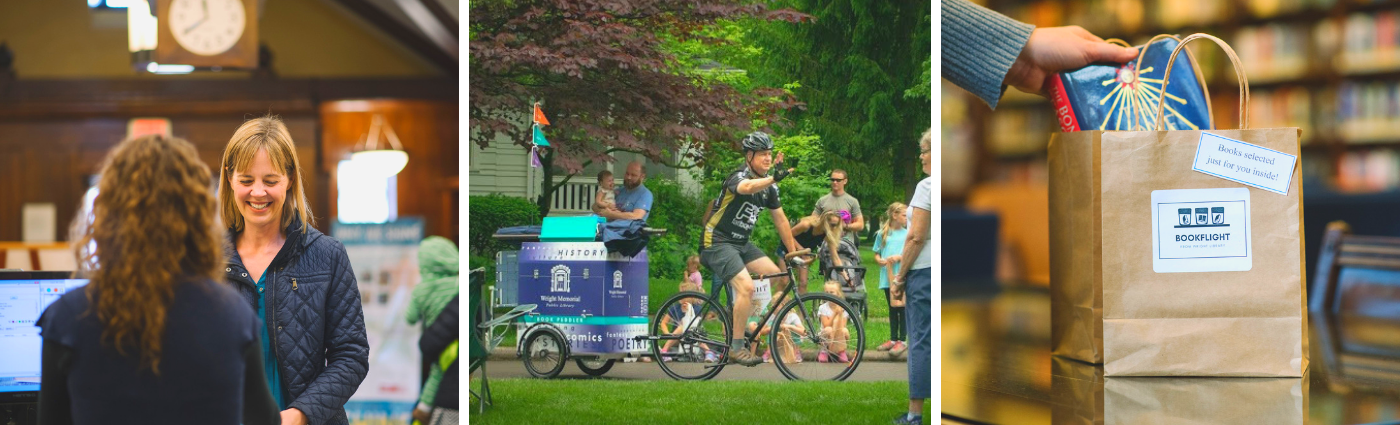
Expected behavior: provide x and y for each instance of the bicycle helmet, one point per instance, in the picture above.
(757, 141)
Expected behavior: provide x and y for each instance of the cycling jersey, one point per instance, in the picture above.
(735, 214)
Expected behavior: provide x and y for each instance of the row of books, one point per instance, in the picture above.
(1272, 52)
(1132, 16)
(1285, 107)
(1366, 112)
(1369, 42)
(1376, 170)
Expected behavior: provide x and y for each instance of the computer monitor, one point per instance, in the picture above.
(23, 296)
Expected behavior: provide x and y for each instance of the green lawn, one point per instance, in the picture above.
(590, 401)
(877, 327)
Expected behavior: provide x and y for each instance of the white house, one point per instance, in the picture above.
(504, 168)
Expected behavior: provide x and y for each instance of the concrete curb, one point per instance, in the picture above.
(508, 353)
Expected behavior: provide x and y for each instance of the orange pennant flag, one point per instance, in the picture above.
(539, 116)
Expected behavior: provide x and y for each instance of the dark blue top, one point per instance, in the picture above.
(315, 321)
(208, 330)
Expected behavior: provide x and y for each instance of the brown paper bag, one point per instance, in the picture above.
(1274, 401)
(1108, 302)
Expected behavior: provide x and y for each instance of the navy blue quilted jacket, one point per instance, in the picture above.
(314, 321)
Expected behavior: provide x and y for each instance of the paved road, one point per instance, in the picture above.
(867, 371)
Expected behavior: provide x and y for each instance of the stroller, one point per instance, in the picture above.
(853, 280)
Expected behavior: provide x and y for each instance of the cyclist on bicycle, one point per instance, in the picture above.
(725, 248)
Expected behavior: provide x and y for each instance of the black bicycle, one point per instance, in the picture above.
(812, 336)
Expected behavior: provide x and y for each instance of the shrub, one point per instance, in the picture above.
(680, 215)
(492, 212)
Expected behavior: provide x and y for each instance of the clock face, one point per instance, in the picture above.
(207, 27)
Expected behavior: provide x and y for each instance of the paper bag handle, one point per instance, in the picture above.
(1239, 76)
(1137, 71)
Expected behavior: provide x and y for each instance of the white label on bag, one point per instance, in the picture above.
(1201, 230)
(1245, 163)
(762, 292)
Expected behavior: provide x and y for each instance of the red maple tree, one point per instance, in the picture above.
(599, 69)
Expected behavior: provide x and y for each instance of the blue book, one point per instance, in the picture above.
(1108, 96)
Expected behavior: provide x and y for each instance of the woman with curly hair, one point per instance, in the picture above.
(297, 279)
(157, 336)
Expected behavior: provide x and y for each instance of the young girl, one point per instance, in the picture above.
(606, 198)
(682, 318)
(790, 334)
(692, 271)
(888, 244)
(834, 320)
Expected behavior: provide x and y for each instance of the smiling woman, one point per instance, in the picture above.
(297, 279)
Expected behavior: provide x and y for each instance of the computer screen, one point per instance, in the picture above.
(23, 296)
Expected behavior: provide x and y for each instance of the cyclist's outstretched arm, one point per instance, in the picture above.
(752, 186)
(780, 221)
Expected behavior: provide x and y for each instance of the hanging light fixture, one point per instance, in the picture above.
(380, 162)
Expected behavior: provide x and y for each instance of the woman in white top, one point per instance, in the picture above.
(915, 271)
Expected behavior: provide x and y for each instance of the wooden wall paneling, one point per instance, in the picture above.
(54, 134)
(55, 99)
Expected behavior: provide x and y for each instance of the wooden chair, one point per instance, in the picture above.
(1355, 306)
(1024, 236)
(1357, 275)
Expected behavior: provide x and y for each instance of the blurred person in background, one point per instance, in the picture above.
(297, 279)
(157, 336)
(434, 303)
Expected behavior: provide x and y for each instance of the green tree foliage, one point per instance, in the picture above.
(862, 66)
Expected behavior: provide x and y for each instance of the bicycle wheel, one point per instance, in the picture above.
(690, 337)
(544, 352)
(805, 349)
(594, 367)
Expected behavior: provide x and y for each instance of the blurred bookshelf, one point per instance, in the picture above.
(1328, 67)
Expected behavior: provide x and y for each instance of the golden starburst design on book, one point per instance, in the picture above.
(1135, 99)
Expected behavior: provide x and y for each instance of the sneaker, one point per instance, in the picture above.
(744, 357)
(844, 358)
(904, 419)
(822, 357)
(710, 357)
(898, 348)
(886, 346)
(768, 356)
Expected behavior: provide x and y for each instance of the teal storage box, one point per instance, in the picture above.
(570, 229)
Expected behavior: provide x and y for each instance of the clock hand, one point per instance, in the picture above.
(205, 3)
(196, 24)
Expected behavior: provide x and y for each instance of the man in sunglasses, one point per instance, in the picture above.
(838, 200)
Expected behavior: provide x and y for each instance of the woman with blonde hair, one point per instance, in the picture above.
(156, 336)
(298, 280)
(808, 232)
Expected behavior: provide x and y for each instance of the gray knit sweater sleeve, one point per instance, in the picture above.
(979, 46)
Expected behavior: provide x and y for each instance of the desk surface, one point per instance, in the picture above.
(997, 368)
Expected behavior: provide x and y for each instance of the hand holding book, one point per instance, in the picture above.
(1051, 50)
